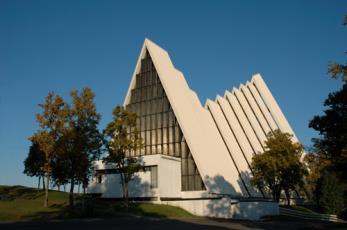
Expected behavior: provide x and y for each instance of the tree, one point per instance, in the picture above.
(81, 141)
(279, 168)
(59, 171)
(330, 155)
(317, 164)
(329, 193)
(332, 127)
(33, 164)
(122, 138)
(52, 122)
(339, 70)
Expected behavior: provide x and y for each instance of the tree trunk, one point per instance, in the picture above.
(125, 198)
(38, 185)
(43, 183)
(286, 191)
(78, 188)
(59, 187)
(276, 193)
(46, 192)
(64, 187)
(71, 200)
(126, 195)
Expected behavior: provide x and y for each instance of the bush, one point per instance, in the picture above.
(329, 193)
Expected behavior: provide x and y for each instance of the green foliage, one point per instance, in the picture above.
(332, 126)
(329, 193)
(317, 163)
(69, 137)
(81, 142)
(330, 150)
(339, 70)
(33, 164)
(51, 121)
(279, 168)
(122, 138)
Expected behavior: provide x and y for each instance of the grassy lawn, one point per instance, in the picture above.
(300, 208)
(22, 203)
(26, 203)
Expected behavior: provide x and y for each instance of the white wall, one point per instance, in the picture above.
(111, 187)
(227, 208)
(169, 176)
(169, 179)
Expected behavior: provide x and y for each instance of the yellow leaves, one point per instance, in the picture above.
(46, 168)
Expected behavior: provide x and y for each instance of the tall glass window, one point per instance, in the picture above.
(158, 126)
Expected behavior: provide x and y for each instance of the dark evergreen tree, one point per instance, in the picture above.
(33, 164)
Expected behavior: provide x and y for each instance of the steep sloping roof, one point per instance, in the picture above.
(223, 135)
(209, 152)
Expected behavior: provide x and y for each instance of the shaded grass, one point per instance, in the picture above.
(158, 210)
(299, 208)
(22, 203)
(18, 202)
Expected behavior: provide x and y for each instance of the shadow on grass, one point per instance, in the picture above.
(89, 207)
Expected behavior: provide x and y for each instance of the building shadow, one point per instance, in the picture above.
(229, 203)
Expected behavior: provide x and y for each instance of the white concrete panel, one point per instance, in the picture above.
(241, 167)
(271, 103)
(244, 122)
(236, 127)
(169, 176)
(169, 179)
(262, 106)
(255, 108)
(250, 115)
(111, 186)
(227, 208)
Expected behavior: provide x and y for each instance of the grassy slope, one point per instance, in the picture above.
(22, 203)
(27, 203)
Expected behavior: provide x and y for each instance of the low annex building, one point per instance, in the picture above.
(197, 157)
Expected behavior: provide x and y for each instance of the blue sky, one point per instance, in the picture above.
(64, 45)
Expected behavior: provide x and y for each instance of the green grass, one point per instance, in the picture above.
(26, 203)
(159, 210)
(22, 203)
(299, 208)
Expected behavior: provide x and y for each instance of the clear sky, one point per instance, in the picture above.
(64, 45)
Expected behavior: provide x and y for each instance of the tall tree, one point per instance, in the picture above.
(332, 125)
(279, 168)
(52, 122)
(81, 141)
(33, 164)
(122, 138)
(330, 155)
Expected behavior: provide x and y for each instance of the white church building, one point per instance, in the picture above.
(197, 156)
